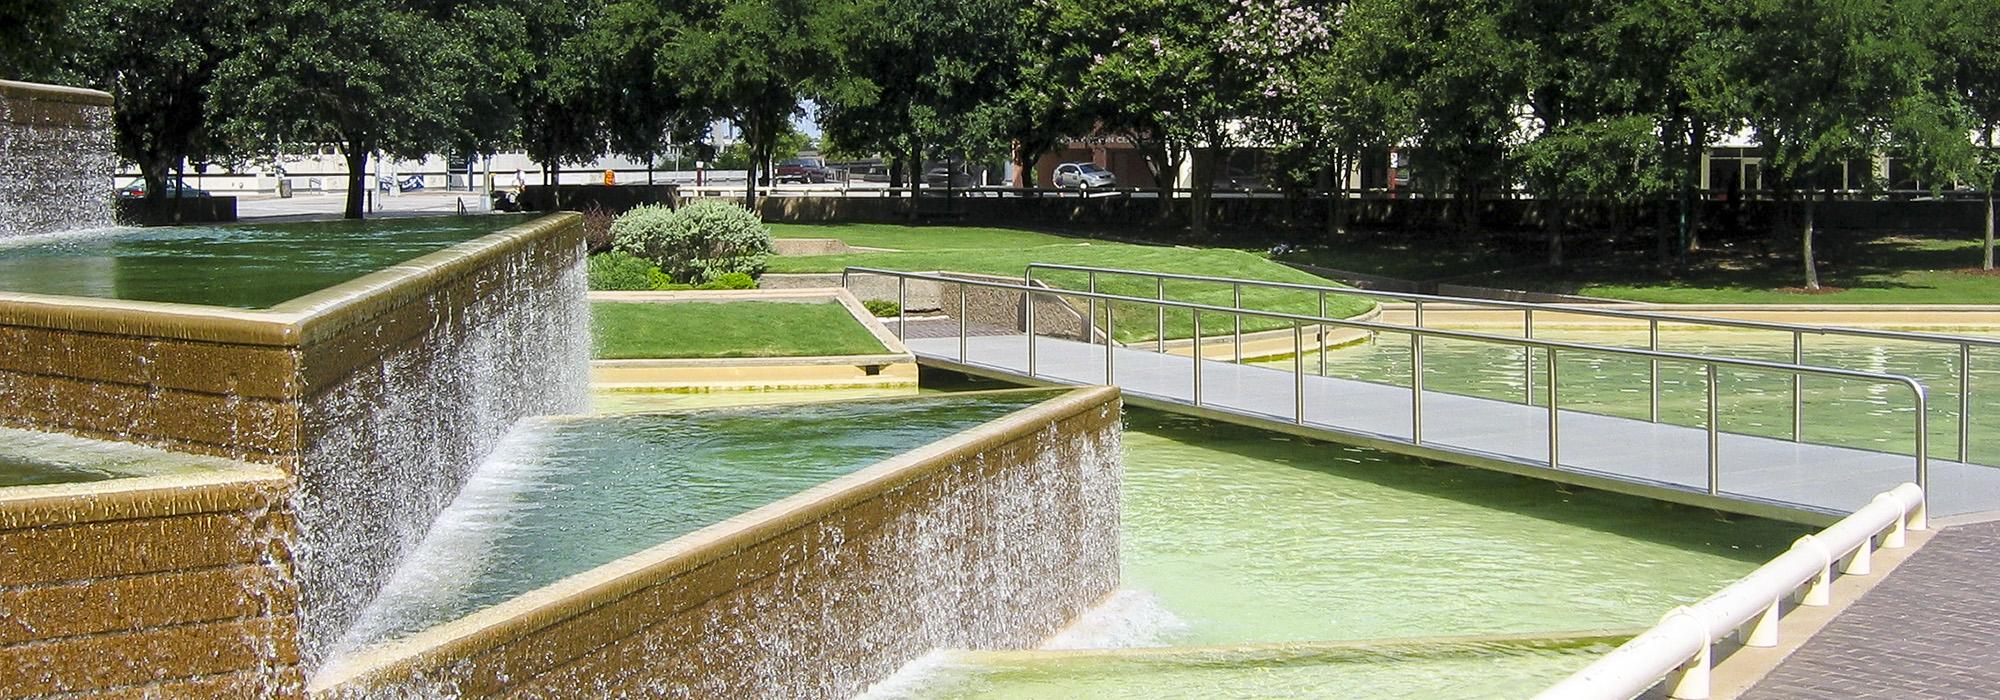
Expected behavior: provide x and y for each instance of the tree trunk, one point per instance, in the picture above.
(895, 172)
(1987, 261)
(916, 162)
(1558, 220)
(1204, 188)
(357, 165)
(1812, 271)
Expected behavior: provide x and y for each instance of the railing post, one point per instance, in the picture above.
(961, 323)
(1160, 333)
(1923, 441)
(1653, 379)
(1528, 358)
(1298, 373)
(1798, 388)
(1322, 335)
(902, 307)
(1028, 303)
(1691, 682)
(1555, 412)
(1236, 319)
(1110, 375)
(1416, 388)
(1714, 437)
(1196, 314)
(1090, 313)
(1965, 403)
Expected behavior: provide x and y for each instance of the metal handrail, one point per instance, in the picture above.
(1680, 650)
(1417, 334)
(1963, 344)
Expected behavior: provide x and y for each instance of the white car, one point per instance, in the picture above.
(1083, 176)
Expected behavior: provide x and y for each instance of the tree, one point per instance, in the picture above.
(1318, 101)
(560, 92)
(1828, 80)
(1969, 76)
(366, 75)
(759, 59)
(1680, 63)
(1465, 83)
(642, 102)
(940, 71)
(34, 37)
(158, 59)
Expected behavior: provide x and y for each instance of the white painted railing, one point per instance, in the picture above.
(1679, 651)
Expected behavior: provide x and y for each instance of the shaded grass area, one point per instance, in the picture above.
(921, 237)
(1858, 267)
(638, 330)
(999, 252)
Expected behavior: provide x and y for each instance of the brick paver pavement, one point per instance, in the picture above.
(1932, 630)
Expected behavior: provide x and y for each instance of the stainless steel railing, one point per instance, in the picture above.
(1961, 367)
(1550, 350)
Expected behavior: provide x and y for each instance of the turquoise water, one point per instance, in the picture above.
(250, 266)
(565, 495)
(1752, 402)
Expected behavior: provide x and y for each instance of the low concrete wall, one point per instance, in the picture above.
(379, 395)
(169, 586)
(612, 199)
(993, 538)
(1055, 315)
(169, 212)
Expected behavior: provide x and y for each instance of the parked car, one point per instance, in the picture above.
(947, 176)
(1083, 176)
(805, 170)
(174, 187)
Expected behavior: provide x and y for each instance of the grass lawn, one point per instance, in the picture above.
(1858, 269)
(637, 330)
(1007, 252)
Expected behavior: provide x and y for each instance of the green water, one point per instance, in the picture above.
(566, 495)
(250, 266)
(1494, 672)
(644, 401)
(30, 458)
(1751, 402)
(1238, 536)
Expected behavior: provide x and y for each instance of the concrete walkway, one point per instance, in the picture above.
(1757, 475)
(1930, 630)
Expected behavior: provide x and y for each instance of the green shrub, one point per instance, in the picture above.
(732, 280)
(882, 308)
(697, 243)
(616, 271)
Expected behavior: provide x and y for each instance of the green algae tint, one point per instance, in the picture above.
(566, 495)
(247, 266)
(33, 458)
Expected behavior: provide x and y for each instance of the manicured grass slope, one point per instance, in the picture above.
(920, 237)
(1884, 270)
(629, 330)
(996, 252)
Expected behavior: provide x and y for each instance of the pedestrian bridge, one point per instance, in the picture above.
(993, 332)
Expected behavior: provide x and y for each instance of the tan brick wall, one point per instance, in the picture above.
(991, 539)
(149, 587)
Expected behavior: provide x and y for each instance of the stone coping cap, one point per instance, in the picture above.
(44, 92)
(243, 487)
(725, 362)
(579, 593)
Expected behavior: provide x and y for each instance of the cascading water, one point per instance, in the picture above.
(56, 159)
(388, 449)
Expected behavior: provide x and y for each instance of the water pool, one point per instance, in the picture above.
(1236, 536)
(564, 495)
(1846, 413)
(30, 458)
(250, 266)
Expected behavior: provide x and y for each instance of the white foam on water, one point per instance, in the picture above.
(1127, 618)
